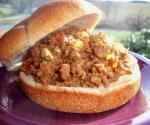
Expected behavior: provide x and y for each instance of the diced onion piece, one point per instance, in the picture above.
(47, 53)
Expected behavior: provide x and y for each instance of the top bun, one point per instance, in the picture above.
(48, 18)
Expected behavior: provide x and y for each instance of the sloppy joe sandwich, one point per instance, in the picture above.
(65, 67)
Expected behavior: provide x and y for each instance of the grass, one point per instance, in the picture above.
(116, 35)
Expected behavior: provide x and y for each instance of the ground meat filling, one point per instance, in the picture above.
(77, 58)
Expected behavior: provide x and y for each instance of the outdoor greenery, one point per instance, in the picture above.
(137, 41)
(2, 14)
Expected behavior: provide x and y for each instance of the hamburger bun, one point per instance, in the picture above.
(80, 99)
(46, 19)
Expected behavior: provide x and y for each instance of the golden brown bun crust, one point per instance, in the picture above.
(83, 100)
(45, 20)
(11, 42)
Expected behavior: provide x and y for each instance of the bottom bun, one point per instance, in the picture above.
(80, 99)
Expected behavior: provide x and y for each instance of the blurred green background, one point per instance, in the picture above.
(124, 21)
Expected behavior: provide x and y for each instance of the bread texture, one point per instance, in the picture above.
(81, 99)
(48, 18)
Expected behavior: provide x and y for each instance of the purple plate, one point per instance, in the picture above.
(17, 109)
